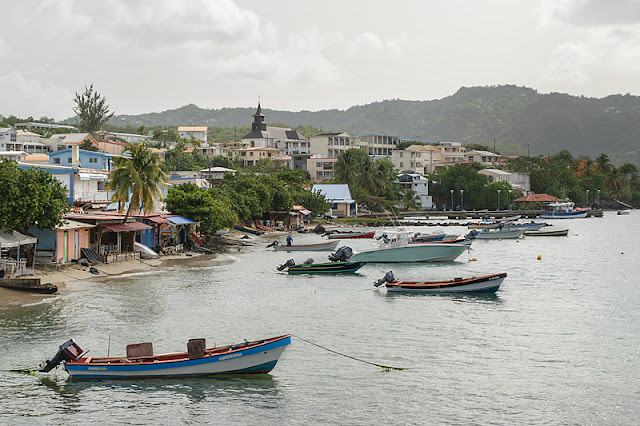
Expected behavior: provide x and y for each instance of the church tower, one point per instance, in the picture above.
(258, 124)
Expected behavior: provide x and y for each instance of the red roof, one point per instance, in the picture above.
(540, 198)
(130, 226)
(157, 219)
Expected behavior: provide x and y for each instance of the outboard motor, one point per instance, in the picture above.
(388, 277)
(275, 243)
(309, 261)
(68, 351)
(341, 255)
(471, 235)
(288, 263)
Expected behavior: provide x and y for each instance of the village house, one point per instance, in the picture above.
(8, 138)
(250, 156)
(486, 158)
(320, 168)
(62, 141)
(452, 152)
(418, 184)
(338, 194)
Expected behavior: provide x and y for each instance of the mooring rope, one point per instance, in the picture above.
(384, 367)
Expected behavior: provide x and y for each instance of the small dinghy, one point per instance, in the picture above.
(484, 284)
(330, 245)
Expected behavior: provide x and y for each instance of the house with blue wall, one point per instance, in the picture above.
(85, 159)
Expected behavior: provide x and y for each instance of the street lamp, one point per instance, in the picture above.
(462, 199)
(598, 192)
(452, 200)
(498, 199)
(509, 205)
(587, 198)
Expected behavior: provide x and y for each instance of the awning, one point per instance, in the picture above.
(129, 226)
(15, 239)
(179, 220)
(156, 219)
(305, 211)
(72, 224)
(92, 176)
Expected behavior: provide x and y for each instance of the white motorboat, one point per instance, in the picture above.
(396, 248)
(496, 234)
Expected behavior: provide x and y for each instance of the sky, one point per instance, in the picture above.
(153, 55)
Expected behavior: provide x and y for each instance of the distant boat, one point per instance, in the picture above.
(223, 231)
(495, 234)
(248, 229)
(347, 235)
(255, 357)
(484, 284)
(462, 241)
(321, 268)
(493, 223)
(396, 248)
(564, 210)
(559, 233)
(623, 212)
(433, 237)
(330, 245)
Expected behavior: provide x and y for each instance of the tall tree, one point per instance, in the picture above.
(92, 110)
(603, 164)
(137, 179)
(30, 197)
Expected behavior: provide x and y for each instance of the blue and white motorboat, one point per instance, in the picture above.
(563, 210)
(257, 357)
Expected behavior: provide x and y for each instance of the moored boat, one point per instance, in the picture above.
(495, 234)
(483, 284)
(397, 249)
(563, 210)
(321, 268)
(257, 357)
(623, 212)
(433, 237)
(558, 233)
(348, 235)
(248, 229)
(329, 245)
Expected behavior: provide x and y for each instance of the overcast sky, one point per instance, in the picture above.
(153, 55)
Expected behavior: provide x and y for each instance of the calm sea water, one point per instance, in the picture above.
(558, 344)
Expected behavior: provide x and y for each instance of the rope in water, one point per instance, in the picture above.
(384, 367)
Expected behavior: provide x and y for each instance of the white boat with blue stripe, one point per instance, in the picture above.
(564, 210)
(257, 357)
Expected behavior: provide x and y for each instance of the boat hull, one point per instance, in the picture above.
(326, 268)
(430, 252)
(499, 234)
(351, 236)
(564, 215)
(562, 233)
(485, 284)
(331, 245)
(257, 359)
(247, 229)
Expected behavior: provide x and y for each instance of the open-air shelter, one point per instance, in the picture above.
(11, 240)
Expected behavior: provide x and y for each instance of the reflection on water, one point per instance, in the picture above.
(196, 389)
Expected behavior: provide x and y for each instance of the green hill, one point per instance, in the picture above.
(518, 118)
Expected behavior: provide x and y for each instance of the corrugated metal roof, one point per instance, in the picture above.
(130, 226)
(179, 220)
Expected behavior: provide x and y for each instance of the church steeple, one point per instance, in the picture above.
(258, 124)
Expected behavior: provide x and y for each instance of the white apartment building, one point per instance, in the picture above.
(422, 159)
(198, 133)
(378, 145)
(320, 168)
(330, 144)
(485, 158)
(452, 152)
(8, 138)
(419, 185)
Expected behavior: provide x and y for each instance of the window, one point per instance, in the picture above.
(93, 160)
(69, 160)
(401, 164)
(56, 161)
(401, 156)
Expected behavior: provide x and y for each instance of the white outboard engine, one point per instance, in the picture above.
(288, 263)
(388, 277)
(309, 261)
(68, 351)
(341, 255)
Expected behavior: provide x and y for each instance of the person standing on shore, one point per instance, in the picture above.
(289, 240)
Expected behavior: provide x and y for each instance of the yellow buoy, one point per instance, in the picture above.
(472, 260)
(539, 257)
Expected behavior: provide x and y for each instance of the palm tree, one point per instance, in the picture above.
(137, 179)
(349, 165)
(603, 164)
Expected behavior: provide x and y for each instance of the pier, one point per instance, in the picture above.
(474, 214)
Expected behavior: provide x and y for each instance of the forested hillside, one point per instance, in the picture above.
(517, 118)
